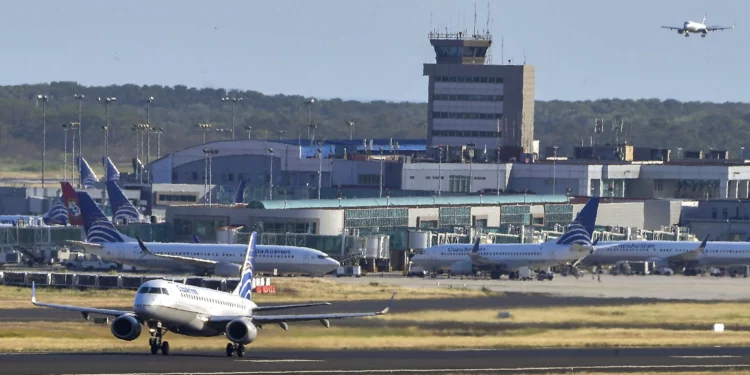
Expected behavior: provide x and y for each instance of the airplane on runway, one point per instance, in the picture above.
(696, 27)
(103, 239)
(502, 259)
(668, 253)
(165, 306)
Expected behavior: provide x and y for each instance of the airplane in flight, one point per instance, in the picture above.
(689, 254)
(506, 259)
(697, 28)
(103, 240)
(165, 306)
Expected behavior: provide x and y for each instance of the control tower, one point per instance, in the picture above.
(472, 102)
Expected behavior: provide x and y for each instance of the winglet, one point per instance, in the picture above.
(33, 292)
(196, 239)
(475, 249)
(388, 308)
(143, 246)
(703, 244)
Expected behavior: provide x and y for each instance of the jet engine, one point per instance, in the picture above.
(126, 327)
(227, 270)
(241, 331)
(680, 31)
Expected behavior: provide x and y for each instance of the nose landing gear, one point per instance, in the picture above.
(155, 342)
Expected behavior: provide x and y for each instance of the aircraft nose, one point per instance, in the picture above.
(333, 262)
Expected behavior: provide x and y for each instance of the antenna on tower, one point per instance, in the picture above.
(431, 22)
(488, 17)
(474, 33)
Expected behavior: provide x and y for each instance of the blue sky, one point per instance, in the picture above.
(374, 50)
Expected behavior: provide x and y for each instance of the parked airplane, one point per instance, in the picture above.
(164, 306)
(502, 259)
(696, 27)
(104, 240)
(123, 211)
(670, 253)
(112, 173)
(88, 178)
(58, 214)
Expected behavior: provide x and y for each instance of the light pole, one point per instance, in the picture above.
(222, 130)
(380, 193)
(742, 153)
(204, 128)
(65, 152)
(148, 129)
(137, 131)
(679, 152)
(249, 130)
(158, 132)
(320, 168)
(351, 129)
(44, 99)
(211, 153)
(471, 164)
(281, 133)
(270, 180)
(498, 170)
(233, 100)
(74, 126)
(142, 129)
(80, 98)
(106, 167)
(440, 170)
(308, 103)
(554, 170)
(313, 127)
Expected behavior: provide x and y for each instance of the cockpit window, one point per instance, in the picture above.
(321, 256)
(145, 289)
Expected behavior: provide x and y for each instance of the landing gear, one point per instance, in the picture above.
(238, 348)
(495, 275)
(155, 342)
(686, 34)
(513, 275)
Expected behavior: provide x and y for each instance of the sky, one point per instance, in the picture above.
(374, 50)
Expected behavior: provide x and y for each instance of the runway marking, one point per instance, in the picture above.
(476, 370)
(278, 360)
(705, 356)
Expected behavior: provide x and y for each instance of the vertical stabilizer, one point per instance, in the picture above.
(71, 204)
(123, 210)
(245, 287)
(112, 173)
(88, 178)
(98, 228)
(580, 231)
(58, 214)
(239, 195)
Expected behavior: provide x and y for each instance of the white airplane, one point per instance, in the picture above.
(165, 306)
(103, 240)
(696, 27)
(667, 253)
(506, 259)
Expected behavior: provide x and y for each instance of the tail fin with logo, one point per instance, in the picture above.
(71, 203)
(112, 173)
(704, 18)
(96, 225)
(239, 195)
(245, 288)
(57, 214)
(580, 231)
(122, 209)
(88, 178)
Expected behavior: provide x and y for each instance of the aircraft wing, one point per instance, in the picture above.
(690, 255)
(283, 319)
(672, 27)
(206, 263)
(84, 245)
(83, 310)
(719, 28)
(283, 307)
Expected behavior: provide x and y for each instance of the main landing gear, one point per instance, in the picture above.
(156, 343)
(238, 348)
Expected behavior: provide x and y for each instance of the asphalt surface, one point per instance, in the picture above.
(507, 301)
(511, 361)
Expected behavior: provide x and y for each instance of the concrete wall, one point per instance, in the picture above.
(425, 176)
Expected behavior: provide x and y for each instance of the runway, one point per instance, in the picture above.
(511, 361)
(507, 301)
